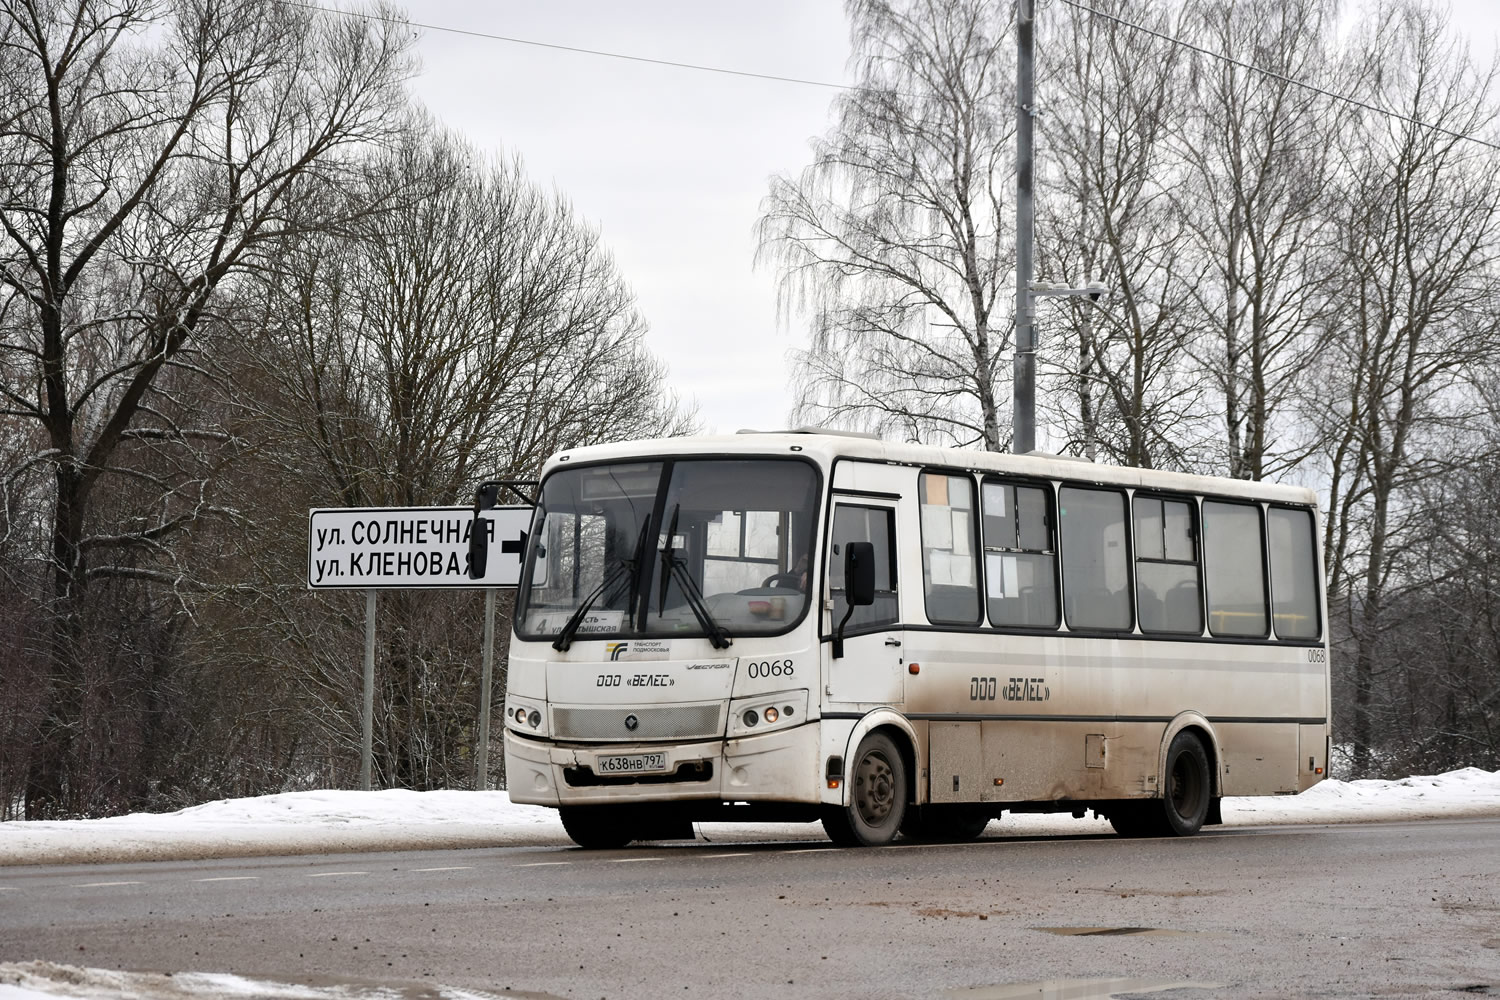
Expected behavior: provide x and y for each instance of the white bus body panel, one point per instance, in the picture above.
(690, 708)
(1071, 717)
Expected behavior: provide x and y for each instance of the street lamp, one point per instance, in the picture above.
(1094, 289)
(1023, 413)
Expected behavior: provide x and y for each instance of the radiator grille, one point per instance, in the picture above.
(670, 722)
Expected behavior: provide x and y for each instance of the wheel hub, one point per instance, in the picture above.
(874, 785)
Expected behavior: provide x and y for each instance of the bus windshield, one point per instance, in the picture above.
(712, 548)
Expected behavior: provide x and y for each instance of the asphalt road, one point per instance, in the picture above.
(1372, 910)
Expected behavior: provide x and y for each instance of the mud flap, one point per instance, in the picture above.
(1214, 817)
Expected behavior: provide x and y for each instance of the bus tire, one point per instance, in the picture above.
(1189, 789)
(877, 796)
(1130, 819)
(940, 825)
(596, 828)
(1186, 797)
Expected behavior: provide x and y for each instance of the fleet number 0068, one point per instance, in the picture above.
(769, 668)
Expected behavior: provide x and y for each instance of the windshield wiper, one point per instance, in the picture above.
(678, 571)
(632, 566)
(638, 563)
(565, 637)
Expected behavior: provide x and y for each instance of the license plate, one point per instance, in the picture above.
(635, 763)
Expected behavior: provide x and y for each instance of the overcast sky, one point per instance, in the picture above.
(672, 164)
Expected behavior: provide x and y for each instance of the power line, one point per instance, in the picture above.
(573, 48)
(1277, 76)
(700, 68)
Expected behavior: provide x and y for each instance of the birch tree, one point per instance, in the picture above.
(896, 241)
(1126, 393)
(1257, 141)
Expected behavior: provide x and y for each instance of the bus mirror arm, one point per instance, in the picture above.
(859, 581)
(838, 635)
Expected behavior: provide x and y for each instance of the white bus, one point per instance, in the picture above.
(892, 639)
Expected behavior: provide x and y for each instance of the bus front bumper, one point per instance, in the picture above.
(773, 767)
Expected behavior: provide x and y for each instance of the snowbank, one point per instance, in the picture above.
(339, 821)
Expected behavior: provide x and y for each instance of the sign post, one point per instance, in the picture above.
(383, 548)
(367, 717)
(486, 680)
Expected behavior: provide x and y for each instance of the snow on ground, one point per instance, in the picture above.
(50, 981)
(338, 821)
(332, 821)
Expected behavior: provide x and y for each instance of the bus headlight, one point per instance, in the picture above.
(757, 714)
(526, 716)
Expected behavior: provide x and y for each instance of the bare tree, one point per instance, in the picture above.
(895, 239)
(1435, 697)
(1415, 321)
(1108, 212)
(1257, 145)
(468, 331)
(151, 154)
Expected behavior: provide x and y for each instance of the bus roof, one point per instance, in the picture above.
(827, 446)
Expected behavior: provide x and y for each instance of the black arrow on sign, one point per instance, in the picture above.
(514, 545)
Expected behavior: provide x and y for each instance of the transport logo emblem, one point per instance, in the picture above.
(631, 722)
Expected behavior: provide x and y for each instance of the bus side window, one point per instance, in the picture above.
(877, 525)
(1294, 574)
(1167, 577)
(1096, 567)
(1233, 563)
(1020, 559)
(950, 574)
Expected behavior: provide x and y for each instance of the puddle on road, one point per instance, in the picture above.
(1111, 931)
(1075, 989)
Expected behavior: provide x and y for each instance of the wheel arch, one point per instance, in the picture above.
(1198, 724)
(902, 733)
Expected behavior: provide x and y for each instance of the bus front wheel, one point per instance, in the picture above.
(944, 824)
(596, 828)
(877, 791)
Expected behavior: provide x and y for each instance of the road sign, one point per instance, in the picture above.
(363, 548)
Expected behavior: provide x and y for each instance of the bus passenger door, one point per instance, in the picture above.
(870, 671)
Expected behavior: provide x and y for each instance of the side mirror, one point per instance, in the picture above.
(859, 573)
(485, 498)
(479, 547)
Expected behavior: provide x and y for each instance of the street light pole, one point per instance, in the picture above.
(1023, 409)
(1028, 290)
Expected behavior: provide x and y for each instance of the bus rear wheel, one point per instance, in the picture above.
(877, 791)
(1189, 790)
(1185, 801)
